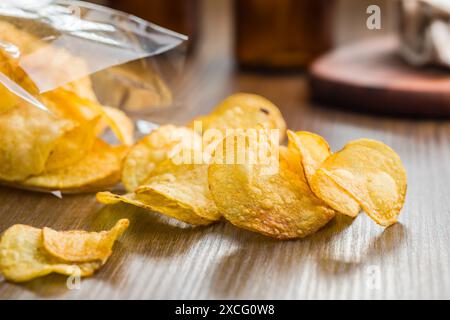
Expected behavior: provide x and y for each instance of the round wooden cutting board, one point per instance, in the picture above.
(371, 76)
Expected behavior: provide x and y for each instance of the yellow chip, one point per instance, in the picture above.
(338, 198)
(124, 123)
(23, 257)
(152, 150)
(243, 110)
(73, 146)
(82, 246)
(372, 174)
(276, 202)
(170, 208)
(27, 136)
(75, 106)
(312, 149)
(100, 168)
(185, 186)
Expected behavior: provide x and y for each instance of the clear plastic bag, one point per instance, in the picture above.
(65, 69)
(58, 42)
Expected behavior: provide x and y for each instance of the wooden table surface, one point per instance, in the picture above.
(160, 259)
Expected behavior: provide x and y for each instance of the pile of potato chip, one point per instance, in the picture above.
(291, 197)
(27, 253)
(229, 164)
(58, 148)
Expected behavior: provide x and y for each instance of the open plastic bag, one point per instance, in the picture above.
(66, 70)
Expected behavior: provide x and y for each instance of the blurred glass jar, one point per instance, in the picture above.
(178, 15)
(282, 34)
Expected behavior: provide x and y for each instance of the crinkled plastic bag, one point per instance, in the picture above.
(57, 42)
(63, 65)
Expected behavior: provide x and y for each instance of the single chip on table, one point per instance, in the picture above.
(243, 110)
(276, 202)
(153, 149)
(100, 168)
(178, 190)
(170, 208)
(371, 173)
(185, 186)
(23, 253)
(82, 246)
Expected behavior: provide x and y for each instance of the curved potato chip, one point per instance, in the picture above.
(73, 146)
(171, 209)
(23, 257)
(276, 203)
(27, 136)
(183, 185)
(324, 187)
(373, 174)
(102, 162)
(152, 150)
(243, 110)
(82, 246)
(125, 124)
(312, 148)
(82, 108)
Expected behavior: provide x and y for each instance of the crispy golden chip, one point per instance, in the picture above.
(8, 100)
(73, 146)
(82, 246)
(76, 107)
(324, 187)
(152, 150)
(102, 164)
(276, 202)
(183, 185)
(23, 257)
(373, 174)
(312, 148)
(125, 124)
(243, 110)
(171, 208)
(27, 136)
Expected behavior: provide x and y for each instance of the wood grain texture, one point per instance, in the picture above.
(157, 259)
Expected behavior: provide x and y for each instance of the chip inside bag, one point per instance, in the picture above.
(52, 122)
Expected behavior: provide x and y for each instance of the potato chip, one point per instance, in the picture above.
(184, 186)
(171, 208)
(28, 135)
(82, 246)
(123, 121)
(243, 111)
(23, 257)
(324, 187)
(73, 146)
(277, 203)
(152, 150)
(76, 107)
(312, 148)
(103, 163)
(372, 173)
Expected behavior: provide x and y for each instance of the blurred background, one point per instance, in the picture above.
(266, 27)
(400, 68)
